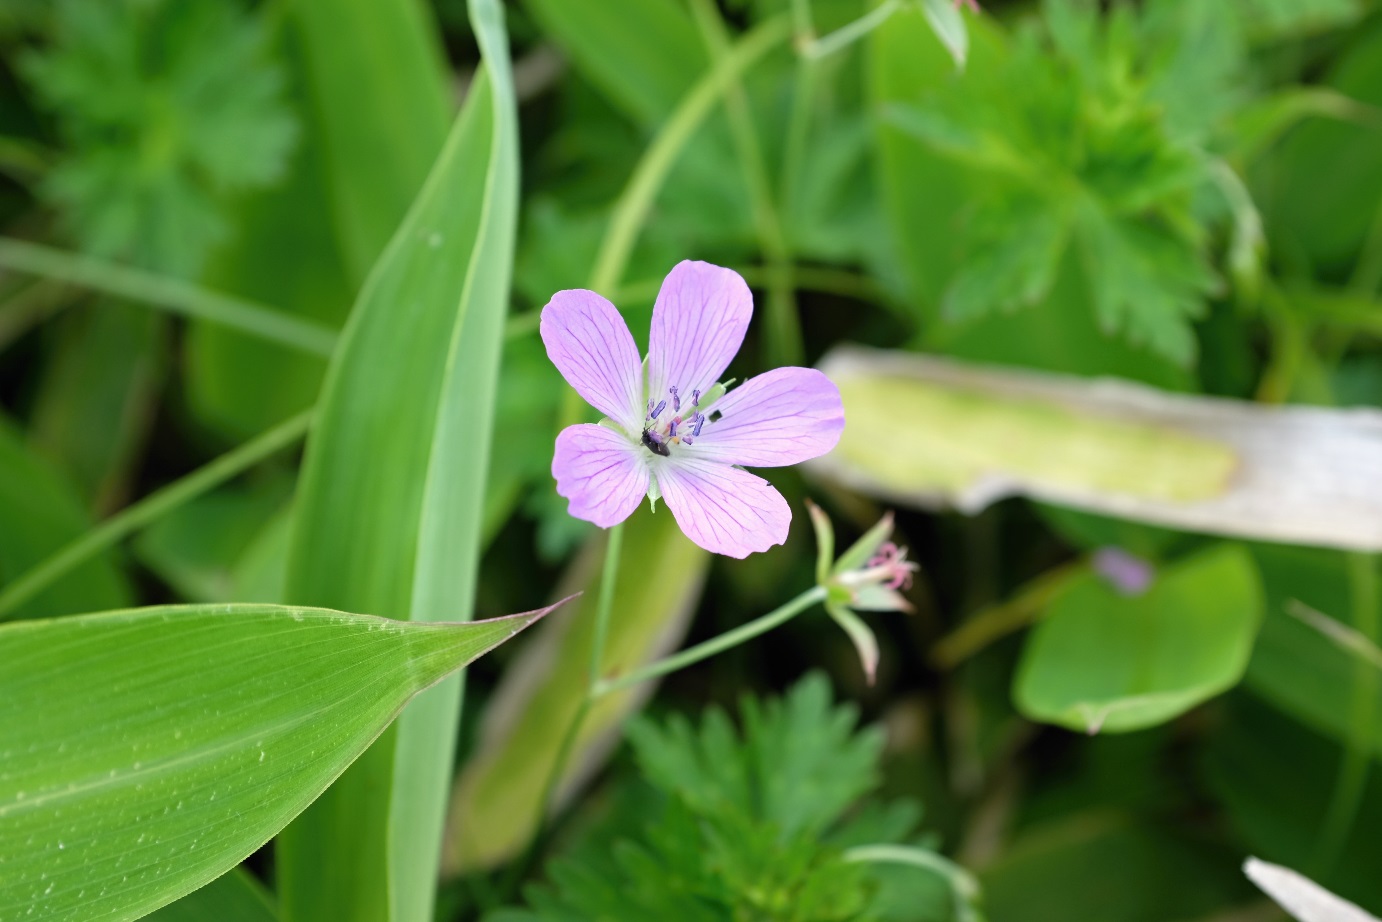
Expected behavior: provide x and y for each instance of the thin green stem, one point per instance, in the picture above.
(963, 887)
(850, 33)
(995, 622)
(609, 576)
(170, 294)
(636, 201)
(149, 509)
(1366, 594)
(784, 341)
(798, 134)
(714, 645)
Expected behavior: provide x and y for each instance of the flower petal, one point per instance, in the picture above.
(591, 346)
(723, 509)
(699, 321)
(601, 472)
(784, 416)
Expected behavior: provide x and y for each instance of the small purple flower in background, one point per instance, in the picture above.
(866, 577)
(678, 435)
(1128, 574)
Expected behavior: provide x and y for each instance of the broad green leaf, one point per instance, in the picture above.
(233, 897)
(389, 507)
(495, 808)
(193, 735)
(1101, 660)
(922, 191)
(371, 88)
(1320, 188)
(377, 80)
(40, 513)
(283, 251)
(643, 54)
(197, 548)
(95, 404)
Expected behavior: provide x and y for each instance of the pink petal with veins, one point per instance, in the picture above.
(784, 416)
(591, 346)
(601, 472)
(699, 321)
(723, 509)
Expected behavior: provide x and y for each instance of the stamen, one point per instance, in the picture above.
(676, 400)
(660, 407)
(686, 440)
(672, 427)
(695, 398)
(700, 421)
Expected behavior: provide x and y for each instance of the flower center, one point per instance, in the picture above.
(666, 424)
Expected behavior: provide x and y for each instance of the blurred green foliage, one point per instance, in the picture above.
(164, 109)
(727, 825)
(1177, 192)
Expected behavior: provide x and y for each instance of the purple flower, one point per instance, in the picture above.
(1127, 574)
(678, 435)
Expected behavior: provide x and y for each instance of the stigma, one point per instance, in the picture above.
(661, 434)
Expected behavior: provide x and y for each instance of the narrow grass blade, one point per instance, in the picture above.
(153, 290)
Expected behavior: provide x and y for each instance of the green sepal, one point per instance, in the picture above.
(825, 542)
(862, 550)
(860, 634)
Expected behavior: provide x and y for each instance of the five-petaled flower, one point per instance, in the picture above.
(676, 433)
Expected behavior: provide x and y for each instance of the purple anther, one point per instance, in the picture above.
(686, 440)
(676, 400)
(700, 421)
(695, 398)
(650, 408)
(658, 409)
(672, 427)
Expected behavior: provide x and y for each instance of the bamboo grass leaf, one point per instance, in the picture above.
(391, 498)
(193, 735)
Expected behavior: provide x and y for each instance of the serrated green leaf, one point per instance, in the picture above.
(741, 820)
(165, 108)
(1104, 661)
(1144, 282)
(1016, 272)
(411, 389)
(194, 734)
